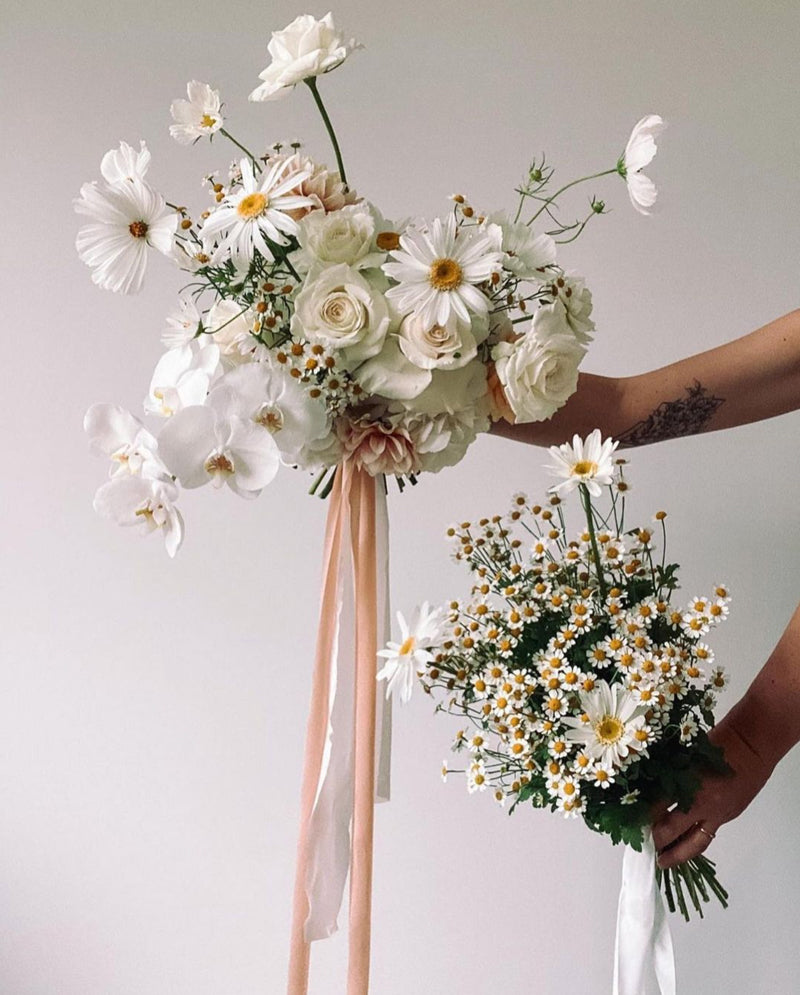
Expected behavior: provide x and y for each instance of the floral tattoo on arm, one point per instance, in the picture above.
(686, 415)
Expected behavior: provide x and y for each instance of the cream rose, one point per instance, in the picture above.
(576, 299)
(305, 48)
(339, 309)
(538, 373)
(441, 347)
(343, 236)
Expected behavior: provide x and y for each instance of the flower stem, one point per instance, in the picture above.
(246, 151)
(558, 193)
(311, 83)
(587, 507)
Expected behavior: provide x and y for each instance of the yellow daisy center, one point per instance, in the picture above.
(584, 468)
(387, 241)
(252, 205)
(138, 228)
(206, 121)
(407, 646)
(445, 274)
(609, 729)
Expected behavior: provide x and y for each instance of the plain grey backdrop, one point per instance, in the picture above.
(152, 712)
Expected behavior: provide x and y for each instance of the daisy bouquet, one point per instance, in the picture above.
(311, 329)
(586, 688)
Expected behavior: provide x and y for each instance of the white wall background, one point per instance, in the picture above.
(152, 712)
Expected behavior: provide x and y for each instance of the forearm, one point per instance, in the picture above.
(754, 377)
(768, 716)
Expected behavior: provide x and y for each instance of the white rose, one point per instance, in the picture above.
(443, 347)
(339, 309)
(576, 299)
(303, 49)
(538, 375)
(453, 391)
(343, 236)
(231, 326)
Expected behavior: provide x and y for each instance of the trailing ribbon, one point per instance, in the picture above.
(643, 945)
(348, 739)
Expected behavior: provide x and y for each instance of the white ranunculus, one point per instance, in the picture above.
(197, 117)
(269, 397)
(305, 48)
(125, 164)
(391, 375)
(148, 504)
(116, 433)
(442, 440)
(231, 328)
(182, 377)
(526, 255)
(441, 347)
(538, 374)
(339, 309)
(343, 236)
(639, 152)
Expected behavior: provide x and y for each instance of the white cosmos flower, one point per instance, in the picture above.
(148, 504)
(614, 716)
(182, 324)
(586, 462)
(125, 164)
(268, 396)
(413, 650)
(126, 219)
(182, 377)
(212, 443)
(253, 213)
(437, 270)
(639, 152)
(197, 117)
(303, 49)
(116, 433)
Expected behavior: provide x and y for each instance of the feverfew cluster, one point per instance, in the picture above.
(587, 687)
(314, 330)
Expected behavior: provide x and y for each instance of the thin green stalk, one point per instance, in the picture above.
(311, 83)
(587, 507)
(246, 151)
(583, 179)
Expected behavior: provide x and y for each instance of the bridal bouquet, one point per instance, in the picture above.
(586, 688)
(312, 330)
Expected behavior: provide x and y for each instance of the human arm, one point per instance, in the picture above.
(756, 733)
(749, 379)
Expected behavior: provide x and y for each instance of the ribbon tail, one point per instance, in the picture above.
(643, 945)
(383, 729)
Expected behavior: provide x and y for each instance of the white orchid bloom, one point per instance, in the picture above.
(148, 504)
(214, 444)
(182, 377)
(116, 433)
(639, 152)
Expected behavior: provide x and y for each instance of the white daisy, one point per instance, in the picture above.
(639, 152)
(609, 723)
(197, 117)
(125, 219)
(437, 270)
(584, 462)
(255, 212)
(412, 652)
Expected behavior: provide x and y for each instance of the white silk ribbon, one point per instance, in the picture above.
(643, 946)
(330, 825)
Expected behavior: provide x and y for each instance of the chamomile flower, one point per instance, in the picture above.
(254, 213)
(437, 271)
(403, 659)
(583, 462)
(477, 779)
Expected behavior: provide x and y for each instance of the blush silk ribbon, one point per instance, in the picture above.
(643, 946)
(348, 739)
